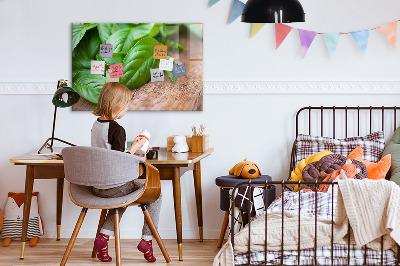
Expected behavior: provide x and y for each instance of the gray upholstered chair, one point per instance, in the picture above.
(85, 167)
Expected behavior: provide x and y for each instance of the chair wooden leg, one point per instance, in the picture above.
(117, 238)
(223, 229)
(101, 222)
(73, 237)
(154, 230)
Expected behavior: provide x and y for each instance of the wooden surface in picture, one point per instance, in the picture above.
(185, 94)
(49, 252)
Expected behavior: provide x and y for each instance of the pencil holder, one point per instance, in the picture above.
(200, 143)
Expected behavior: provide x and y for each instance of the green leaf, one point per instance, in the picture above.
(171, 76)
(138, 62)
(86, 50)
(124, 39)
(117, 58)
(78, 31)
(106, 30)
(77, 73)
(89, 86)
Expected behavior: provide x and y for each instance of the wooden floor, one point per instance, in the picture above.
(50, 252)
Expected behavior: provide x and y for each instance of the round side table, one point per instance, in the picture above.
(226, 183)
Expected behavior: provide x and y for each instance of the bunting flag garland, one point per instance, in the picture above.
(332, 41)
(213, 2)
(306, 39)
(237, 9)
(281, 31)
(256, 28)
(361, 37)
(389, 30)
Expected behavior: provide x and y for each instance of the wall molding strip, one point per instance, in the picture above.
(245, 87)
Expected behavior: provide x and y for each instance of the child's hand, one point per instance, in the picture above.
(143, 155)
(137, 144)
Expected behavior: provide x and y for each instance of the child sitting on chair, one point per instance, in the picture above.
(107, 133)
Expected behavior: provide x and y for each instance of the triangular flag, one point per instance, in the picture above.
(256, 28)
(281, 31)
(306, 39)
(237, 9)
(213, 2)
(332, 41)
(361, 37)
(390, 32)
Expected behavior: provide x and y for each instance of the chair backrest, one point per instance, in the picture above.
(92, 166)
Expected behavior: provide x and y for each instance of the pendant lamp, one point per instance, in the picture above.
(63, 97)
(273, 11)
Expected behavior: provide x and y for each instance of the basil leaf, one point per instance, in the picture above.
(107, 29)
(138, 62)
(89, 87)
(124, 39)
(117, 58)
(86, 50)
(77, 73)
(171, 76)
(136, 33)
(78, 31)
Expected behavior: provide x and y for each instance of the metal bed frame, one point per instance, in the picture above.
(283, 184)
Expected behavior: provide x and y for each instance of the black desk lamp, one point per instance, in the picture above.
(64, 97)
(273, 11)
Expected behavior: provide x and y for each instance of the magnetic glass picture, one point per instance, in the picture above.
(131, 52)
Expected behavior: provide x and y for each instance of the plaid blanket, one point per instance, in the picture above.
(323, 205)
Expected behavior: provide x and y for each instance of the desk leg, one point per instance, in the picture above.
(60, 190)
(176, 182)
(199, 204)
(27, 206)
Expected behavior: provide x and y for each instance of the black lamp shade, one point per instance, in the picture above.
(72, 98)
(273, 11)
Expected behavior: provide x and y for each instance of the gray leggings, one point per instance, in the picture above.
(154, 208)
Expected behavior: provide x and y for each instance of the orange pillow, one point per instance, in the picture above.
(375, 170)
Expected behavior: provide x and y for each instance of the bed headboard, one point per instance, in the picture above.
(344, 121)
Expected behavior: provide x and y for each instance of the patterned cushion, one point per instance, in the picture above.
(372, 144)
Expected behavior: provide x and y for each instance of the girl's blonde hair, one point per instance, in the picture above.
(113, 98)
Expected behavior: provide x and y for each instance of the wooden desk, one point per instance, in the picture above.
(169, 165)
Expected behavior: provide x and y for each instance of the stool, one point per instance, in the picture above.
(226, 183)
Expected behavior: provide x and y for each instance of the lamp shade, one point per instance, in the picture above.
(273, 11)
(65, 96)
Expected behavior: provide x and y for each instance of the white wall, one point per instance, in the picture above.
(35, 47)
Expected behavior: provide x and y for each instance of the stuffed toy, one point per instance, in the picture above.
(296, 174)
(13, 215)
(328, 164)
(180, 144)
(375, 170)
(245, 169)
(348, 170)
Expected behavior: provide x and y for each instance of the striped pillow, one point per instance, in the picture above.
(372, 145)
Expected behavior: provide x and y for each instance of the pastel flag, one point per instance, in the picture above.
(361, 37)
(306, 39)
(389, 30)
(237, 9)
(332, 41)
(256, 28)
(281, 31)
(213, 2)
